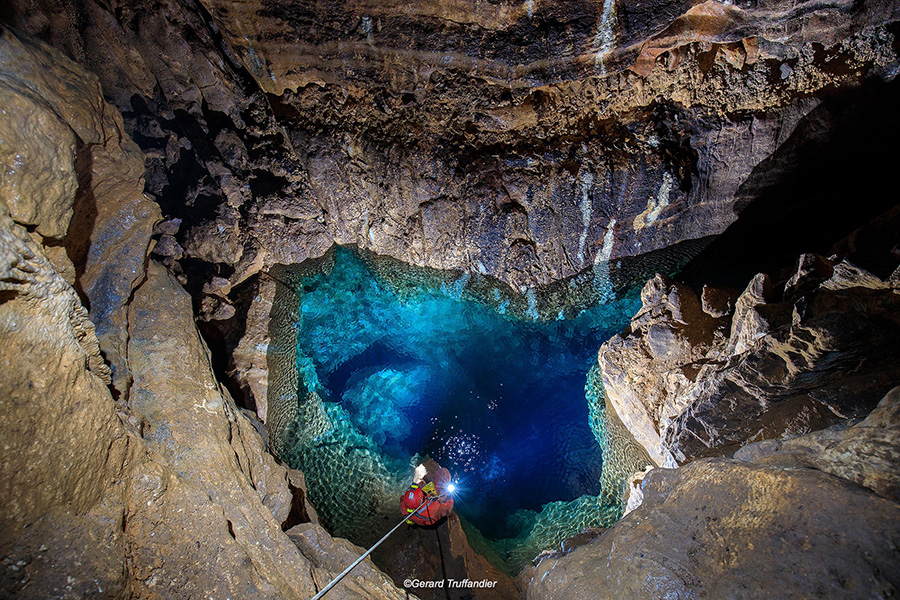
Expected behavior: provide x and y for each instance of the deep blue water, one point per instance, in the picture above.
(498, 400)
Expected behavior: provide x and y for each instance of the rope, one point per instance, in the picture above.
(369, 551)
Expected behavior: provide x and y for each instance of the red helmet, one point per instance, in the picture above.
(412, 498)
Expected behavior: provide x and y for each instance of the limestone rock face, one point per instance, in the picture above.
(867, 453)
(649, 370)
(217, 453)
(719, 528)
(785, 362)
(332, 556)
(251, 356)
(49, 403)
(442, 553)
(530, 141)
(73, 174)
(166, 492)
(179, 501)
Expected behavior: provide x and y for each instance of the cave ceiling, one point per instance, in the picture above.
(529, 141)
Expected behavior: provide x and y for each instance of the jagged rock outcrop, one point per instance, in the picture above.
(720, 528)
(166, 492)
(530, 141)
(689, 379)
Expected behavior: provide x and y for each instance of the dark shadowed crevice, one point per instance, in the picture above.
(81, 228)
(835, 173)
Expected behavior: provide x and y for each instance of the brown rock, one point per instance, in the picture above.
(332, 556)
(867, 453)
(173, 378)
(719, 528)
(808, 372)
(442, 553)
(672, 333)
(447, 147)
(49, 396)
(168, 493)
(748, 324)
(251, 357)
(812, 270)
(110, 230)
(684, 390)
(718, 302)
(38, 160)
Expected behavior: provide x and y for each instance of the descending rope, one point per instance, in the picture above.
(369, 551)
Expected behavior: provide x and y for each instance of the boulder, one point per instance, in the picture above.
(721, 528)
(867, 453)
(332, 556)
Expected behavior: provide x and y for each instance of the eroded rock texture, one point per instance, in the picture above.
(527, 140)
(702, 376)
(75, 178)
(867, 453)
(166, 491)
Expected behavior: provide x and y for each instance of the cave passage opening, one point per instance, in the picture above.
(397, 365)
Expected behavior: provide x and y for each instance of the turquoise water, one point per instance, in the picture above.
(396, 372)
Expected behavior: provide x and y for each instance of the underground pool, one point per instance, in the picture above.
(397, 365)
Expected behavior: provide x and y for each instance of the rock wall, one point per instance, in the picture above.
(697, 377)
(529, 141)
(721, 528)
(165, 491)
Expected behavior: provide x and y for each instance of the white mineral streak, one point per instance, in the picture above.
(635, 493)
(602, 282)
(529, 8)
(655, 206)
(605, 38)
(532, 312)
(586, 180)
